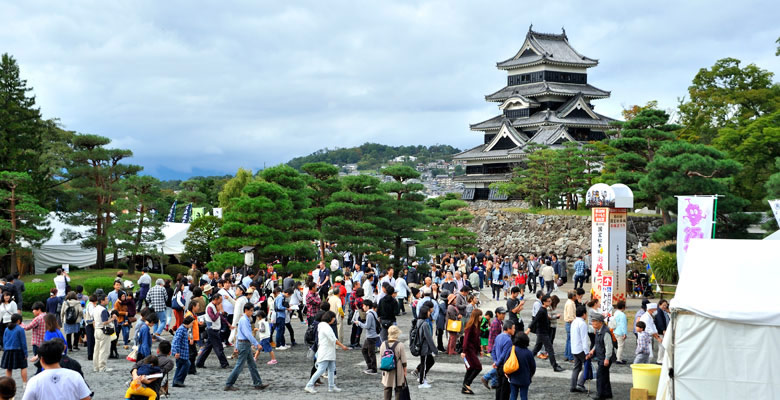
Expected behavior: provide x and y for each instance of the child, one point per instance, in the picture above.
(263, 333)
(15, 348)
(181, 351)
(143, 337)
(484, 330)
(643, 343)
(149, 367)
(522, 278)
(7, 388)
(507, 286)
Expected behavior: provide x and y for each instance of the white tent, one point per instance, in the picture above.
(774, 236)
(723, 341)
(56, 251)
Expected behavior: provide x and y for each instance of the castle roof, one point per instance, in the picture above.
(546, 48)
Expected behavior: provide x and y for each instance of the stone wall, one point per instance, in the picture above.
(513, 233)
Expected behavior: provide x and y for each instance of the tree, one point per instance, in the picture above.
(234, 188)
(569, 173)
(300, 227)
(755, 146)
(631, 112)
(695, 169)
(138, 225)
(638, 141)
(201, 233)
(357, 215)
(726, 95)
(323, 182)
(260, 219)
(772, 184)
(95, 174)
(26, 219)
(534, 181)
(406, 206)
(447, 216)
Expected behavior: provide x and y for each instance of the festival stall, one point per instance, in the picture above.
(57, 251)
(722, 342)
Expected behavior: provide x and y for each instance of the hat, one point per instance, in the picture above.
(598, 317)
(241, 287)
(500, 310)
(339, 279)
(451, 298)
(250, 290)
(414, 264)
(652, 306)
(476, 269)
(207, 287)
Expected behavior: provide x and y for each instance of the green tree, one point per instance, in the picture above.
(138, 225)
(201, 233)
(569, 173)
(755, 146)
(447, 217)
(300, 226)
(772, 184)
(234, 188)
(260, 219)
(26, 219)
(726, 95)
(637, 143)
(357, 215)
(323, 182)
(405, 206)
(95, 173)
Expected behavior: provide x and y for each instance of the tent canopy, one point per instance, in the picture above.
(774, 236)
(739, 266)
(56, 251)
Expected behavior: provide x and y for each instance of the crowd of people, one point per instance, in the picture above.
(241, 313)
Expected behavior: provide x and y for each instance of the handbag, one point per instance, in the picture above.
(108, 330)
(311, 354)
(405, 394)
(133, 356)
(511, 364)
(454, 325)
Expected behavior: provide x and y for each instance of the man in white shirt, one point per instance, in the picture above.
(649, 320)
(100, 319)
(55, 382)
(579, 347)
(61, 282)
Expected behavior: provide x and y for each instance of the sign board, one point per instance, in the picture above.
(607, 292)
(66, 268)
(615, 196)
(694, 221)
(599, 247)
(618, 218)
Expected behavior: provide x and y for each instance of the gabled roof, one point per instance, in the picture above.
(576, 102)
(530, 90)
(548, 135)
(545, 117)
(507, 130)
(518, 98)
(546, 48)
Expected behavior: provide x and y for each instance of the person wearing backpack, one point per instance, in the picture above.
(371, 326)
(71, 318)
(426, 345)
(393, 363)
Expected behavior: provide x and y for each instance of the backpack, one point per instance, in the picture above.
(387, 362)
(175, 303)
(459, 344)
(71, 316)
(415, 339)
(311, 334)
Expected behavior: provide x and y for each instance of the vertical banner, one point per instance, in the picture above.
(599, 247)
(607, 293)
(618, 217)
(172, 213)
(694, 221)
(198, 212)
(775, 204)
(187, 214)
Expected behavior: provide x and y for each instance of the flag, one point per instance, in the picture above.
(172, 213)
(694, 221)
(187, 213)
(644, 255)
(648, 267)
(652, 276)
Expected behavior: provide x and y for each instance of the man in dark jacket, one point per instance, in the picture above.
(541, 324)
(603, 353)
(387, 310)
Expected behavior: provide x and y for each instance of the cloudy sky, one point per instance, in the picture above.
(205, 87)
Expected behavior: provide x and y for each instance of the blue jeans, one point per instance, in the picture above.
(567, 351)
(182, 368)
(280, 331)
(492, 377)
(126, 334)
(244, 357)
(515, 389)
(322, 366)
(163, 319)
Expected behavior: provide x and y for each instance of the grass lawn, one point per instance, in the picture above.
(555, 211)
(84, 274)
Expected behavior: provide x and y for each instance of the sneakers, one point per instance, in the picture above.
(334, 389)
(272, 362)
(424, 385)
(370, 372)
(415, 373)
(280, 348)
(309, 389)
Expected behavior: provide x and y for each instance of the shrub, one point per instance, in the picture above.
(90, 285)
(36, 292)
(174, 269)
(300, 268)
(664, 265)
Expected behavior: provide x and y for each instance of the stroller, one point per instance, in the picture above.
(643, 286)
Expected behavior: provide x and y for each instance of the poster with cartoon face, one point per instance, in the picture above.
(694, 221)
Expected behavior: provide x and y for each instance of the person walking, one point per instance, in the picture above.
(520, 380)
(579, 347)
(541, 325)
(452, 315)
(7, 309)
(156, 299)
(181, 351)
(15, 351)
(603, 352)
(621, 329)
(569, 311)
(213, 333)
(326, 353)
(71, 316)
(89, 326)
(472, 350)
(548, 274)
(394, 379)
(500, 354)
(245, 343)
(371, 326)
(387, 309)
(579, 272)
(428, 349)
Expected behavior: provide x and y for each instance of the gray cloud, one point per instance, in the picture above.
(209, 86)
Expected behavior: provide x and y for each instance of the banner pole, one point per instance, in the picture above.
(714, 216)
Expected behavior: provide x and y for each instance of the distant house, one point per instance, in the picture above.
(401, 159)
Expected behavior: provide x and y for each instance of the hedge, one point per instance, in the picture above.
(40, 291)
(175, 269)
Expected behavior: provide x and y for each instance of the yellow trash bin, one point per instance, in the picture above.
(645, 376)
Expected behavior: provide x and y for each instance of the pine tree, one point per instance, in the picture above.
(569, 173)
(406, 207)
(137, 225)
(234, 188)
(323, 181)
(201, 233)
(358, 215)
(95, 174)
(26, 219)
(447, 216)
(300, 228)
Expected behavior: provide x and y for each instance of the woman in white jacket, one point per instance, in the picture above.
(326, 353)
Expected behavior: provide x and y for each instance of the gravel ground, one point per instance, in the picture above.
(289, 376)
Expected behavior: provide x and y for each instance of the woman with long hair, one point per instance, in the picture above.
(178, 298)
(7, 310)
(53, 330)
(122, 308)
(71, 326)
(471, 351)
(554, 317)
(594, 307)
